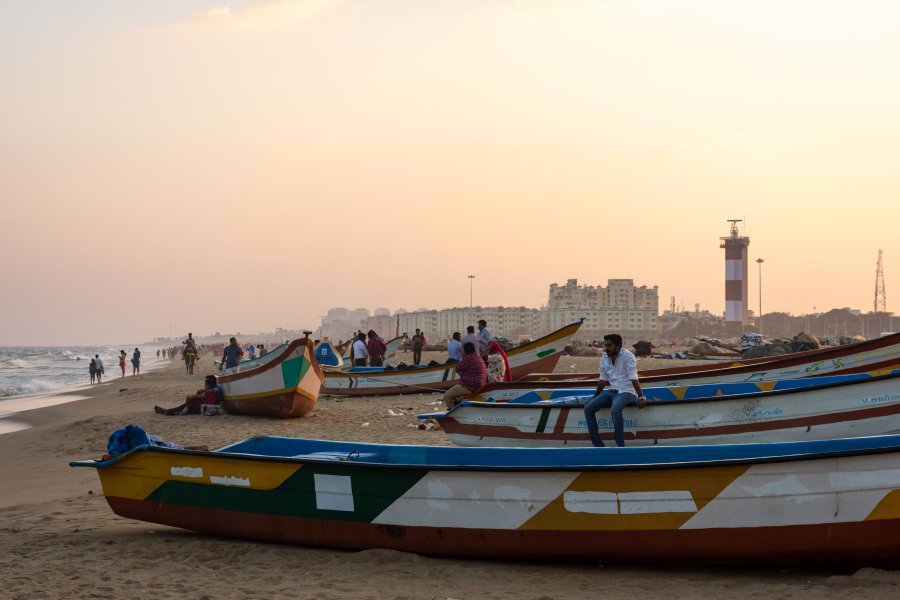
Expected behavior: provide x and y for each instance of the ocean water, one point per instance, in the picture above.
(32, 370)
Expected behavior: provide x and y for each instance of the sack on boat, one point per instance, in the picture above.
(127, 438)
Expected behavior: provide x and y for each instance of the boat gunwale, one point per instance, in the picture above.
(631, 466)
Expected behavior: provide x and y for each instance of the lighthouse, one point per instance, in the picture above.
(735, 279)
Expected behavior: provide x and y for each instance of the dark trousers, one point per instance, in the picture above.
(359, 362)
(376, 361)
(417, 356)
(614, 400)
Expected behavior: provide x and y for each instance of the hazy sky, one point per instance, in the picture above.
(246, 166)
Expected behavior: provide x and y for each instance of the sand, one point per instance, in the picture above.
(59, 539)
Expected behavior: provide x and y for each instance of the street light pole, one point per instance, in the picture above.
(471, 279)
(760, 261)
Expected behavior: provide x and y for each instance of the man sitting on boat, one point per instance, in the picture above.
(472, 376)
(618, 372)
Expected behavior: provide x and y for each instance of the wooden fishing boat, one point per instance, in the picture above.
(820, 502)
(541, 354)
(774, 411)
(285, 387)
(886, 348)
(328, 356)
(882, 354)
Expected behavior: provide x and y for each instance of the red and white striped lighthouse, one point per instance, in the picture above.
(735, 279)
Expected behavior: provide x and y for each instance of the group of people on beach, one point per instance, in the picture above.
(368, 349)
(96, 369)
(477, 359)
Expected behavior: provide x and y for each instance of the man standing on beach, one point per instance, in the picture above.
(476, 339)
(99, 364)
(231, 357)
(377, 348)
(484, 333)
(454, 349)
(618, 370)
(418, 342)
(360, 350)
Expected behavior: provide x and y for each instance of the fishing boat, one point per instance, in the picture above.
(773, 411)
(819, 502)
(877, 353)
(882, 354)
(328, 356)
(287, 386)
(541, 354)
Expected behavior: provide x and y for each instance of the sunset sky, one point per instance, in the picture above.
(246, 166)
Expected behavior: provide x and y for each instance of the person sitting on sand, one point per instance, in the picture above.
(210, 394)
(472, 375)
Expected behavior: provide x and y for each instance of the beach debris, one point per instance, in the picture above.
(429, 425)
(366, 424)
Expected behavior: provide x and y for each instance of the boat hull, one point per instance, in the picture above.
(848, 408)
(873, 543)
(834, 502)
(282, 388)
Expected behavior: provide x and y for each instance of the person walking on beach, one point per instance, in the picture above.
(99, 367)
(93, 370)
(136, 363)
(618, 372)
(122, 361)
(231, 357)
(418, 342)
(472, 375)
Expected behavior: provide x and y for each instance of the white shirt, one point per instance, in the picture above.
(98, 362)
(620, 374)
(360, 350)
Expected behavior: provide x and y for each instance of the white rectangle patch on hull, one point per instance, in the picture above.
(333, 492)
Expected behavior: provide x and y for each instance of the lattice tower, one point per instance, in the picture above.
(880, 296)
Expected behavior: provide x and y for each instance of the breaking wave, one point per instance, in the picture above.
(29, 387)
(16, 363)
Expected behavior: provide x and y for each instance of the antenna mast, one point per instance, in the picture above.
(880, 296)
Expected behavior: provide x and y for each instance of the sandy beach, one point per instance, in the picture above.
(61, 540)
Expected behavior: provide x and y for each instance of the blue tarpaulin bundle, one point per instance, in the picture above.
(127, 438)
